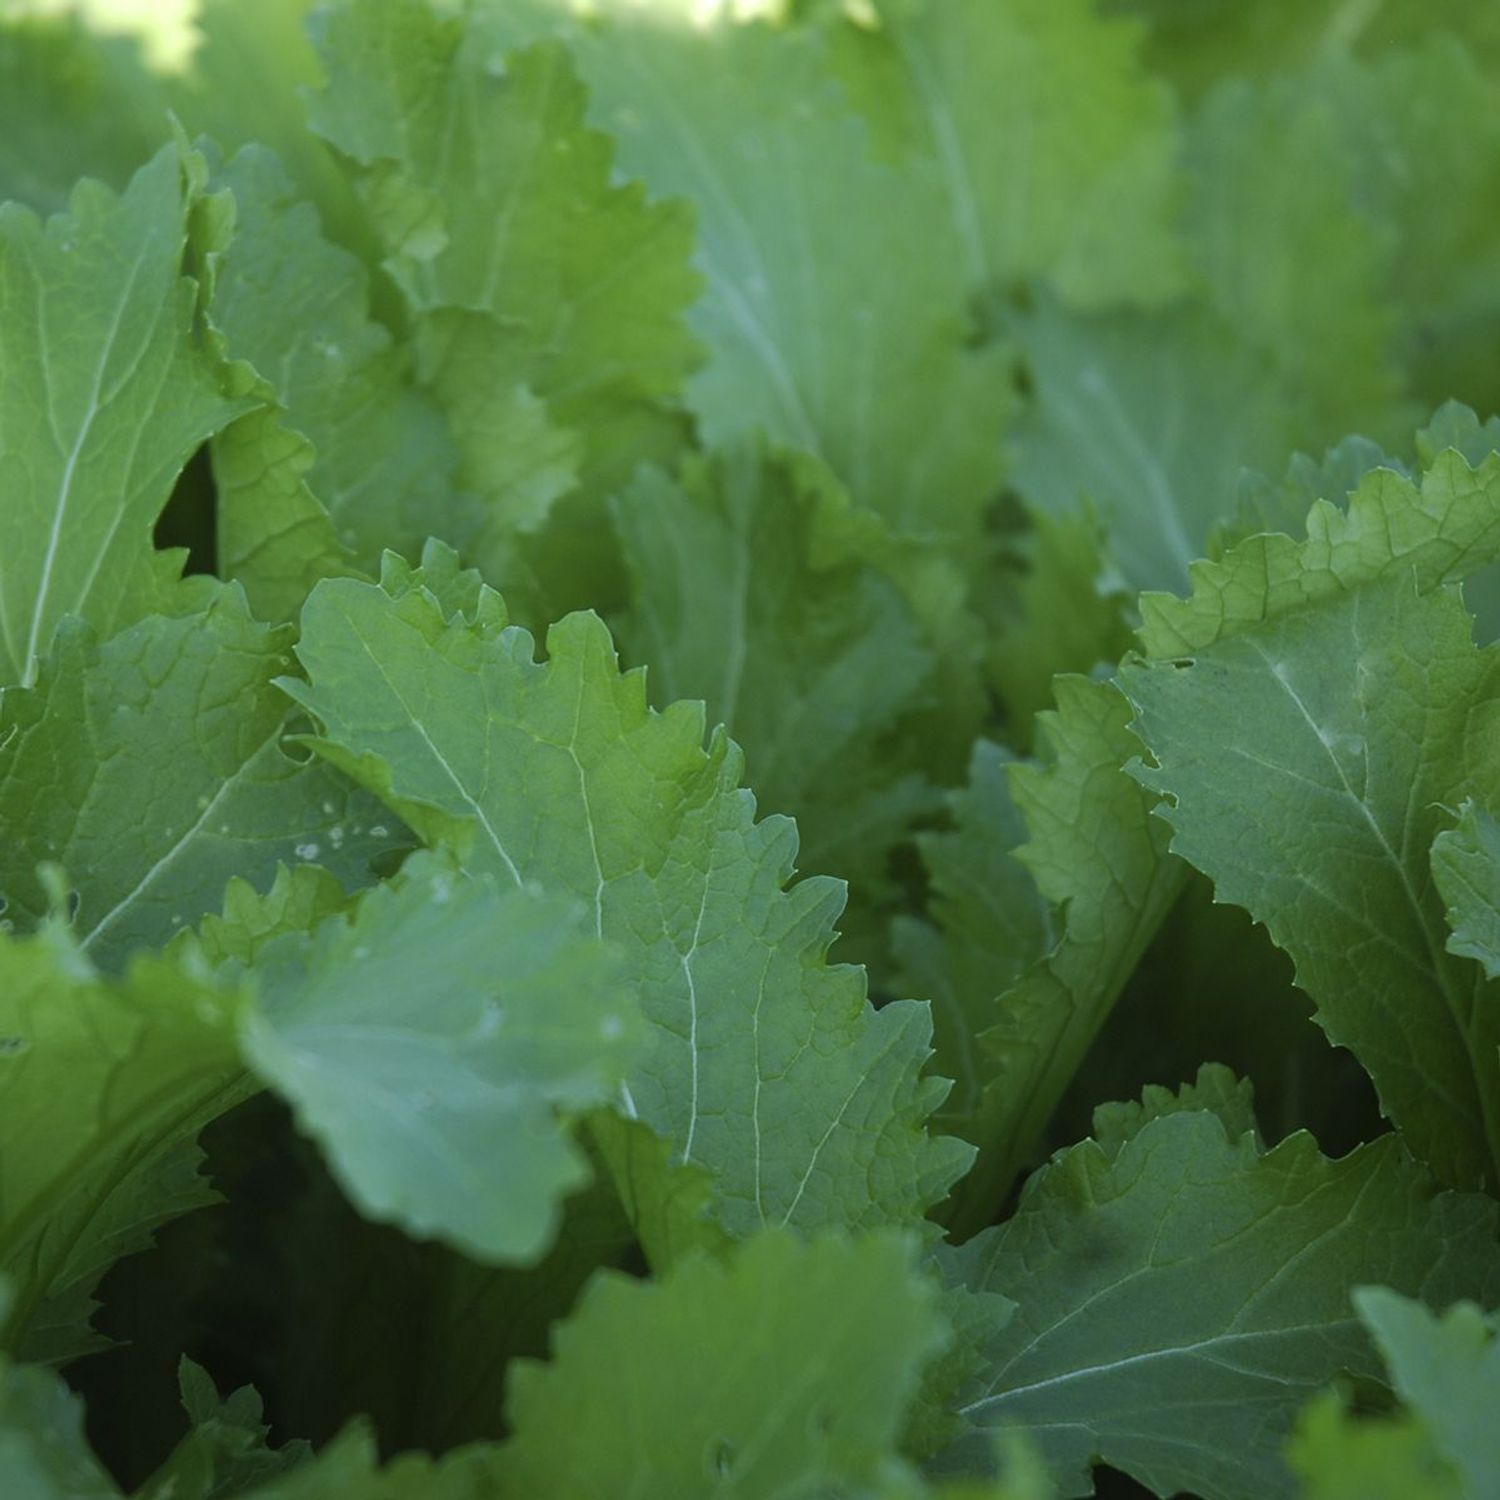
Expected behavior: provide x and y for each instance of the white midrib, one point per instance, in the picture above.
(1130, 1361)
(30, 660)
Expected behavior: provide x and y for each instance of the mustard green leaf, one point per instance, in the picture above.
(1466, 867)
(104, 1086)
(1057, 149)
(789, 1367)
(347, 458)
(151, 768)
(1447, 1371)
(105, 393)
(766, 1065)
(431, 1043)
(1149, 418)
(835, 314)
(1181, 1295)
(750, 594)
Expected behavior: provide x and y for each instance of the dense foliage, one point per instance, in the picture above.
(504, 509)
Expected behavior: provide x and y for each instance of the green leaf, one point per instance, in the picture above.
(347, 458)
(1305, 761)
(104, 395)
(788, 1368)
(1305, 751)
(151, 768)
(549, 297)
(1149, 418)
(1466, 867)
(1338, 1458)
(835, 314)
(1097, 855)
(766, 1065)
(1447, 1371)
(988, 922)
(430, 1043)
(103, 1086)
(1056, 149)
(43, 1452)
(1289, 260)
(226, 1450)
(1180, 1295)
(749, 593)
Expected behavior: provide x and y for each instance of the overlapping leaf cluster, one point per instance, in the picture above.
(494, 492)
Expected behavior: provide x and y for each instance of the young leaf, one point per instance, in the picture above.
(1339, 1458)
(1097, 855)
(430, 1043)
(104, 395)
(151, 769)
(1179, 1295)
(103, 1088)
(765, 1064)
(789, 1367)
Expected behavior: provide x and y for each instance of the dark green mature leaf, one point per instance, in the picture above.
(430, 1043)
(766, 1065)
(788, 1368)
(151, 769)
(749, 593)
(104, 395)
(1180, 1295)
(103, 1087)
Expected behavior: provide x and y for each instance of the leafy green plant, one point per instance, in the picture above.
(505, 508)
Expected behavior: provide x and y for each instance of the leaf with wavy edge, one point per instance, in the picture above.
(766, 1065)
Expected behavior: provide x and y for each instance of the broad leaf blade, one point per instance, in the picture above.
(1179, 1296)
(766, 1065)
(430, 1044)
(788, 1368)
(151, 768)
(104, 395)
